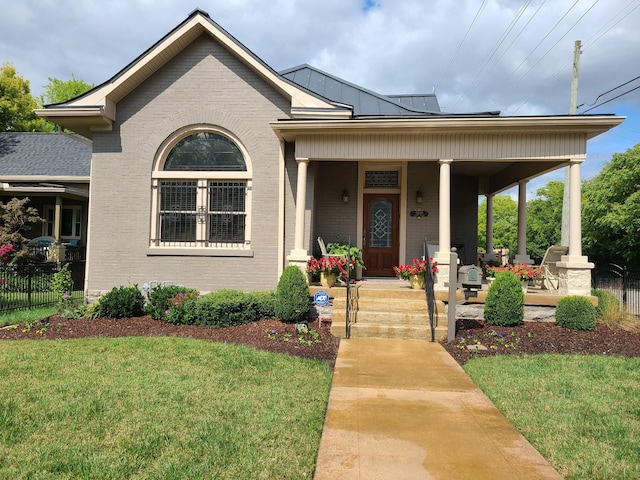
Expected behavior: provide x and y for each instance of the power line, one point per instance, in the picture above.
(591, 42)
(536, 47)
(493, 50)
(612, 99)
(484, 3)
(609, 91)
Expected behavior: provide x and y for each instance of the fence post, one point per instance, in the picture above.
(29, 285)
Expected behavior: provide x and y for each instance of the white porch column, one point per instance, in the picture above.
(489, 255)
(299, 254)
(444, 225)
(521, 256)
(574, 270)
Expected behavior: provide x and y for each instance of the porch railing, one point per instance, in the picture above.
(621, 282)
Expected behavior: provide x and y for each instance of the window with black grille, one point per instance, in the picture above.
(208, 208)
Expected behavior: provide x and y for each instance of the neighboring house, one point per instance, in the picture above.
(53, 170)
(212, 170)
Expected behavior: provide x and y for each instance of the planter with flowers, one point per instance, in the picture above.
(329, 269)
(523, 272)
(415, 272)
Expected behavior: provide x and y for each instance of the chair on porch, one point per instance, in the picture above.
(323, 249)
(549, 266)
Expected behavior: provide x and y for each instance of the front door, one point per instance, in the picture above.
(381, 244)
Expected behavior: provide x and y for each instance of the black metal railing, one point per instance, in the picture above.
(429, 291)
(27, 286)
(621, 282)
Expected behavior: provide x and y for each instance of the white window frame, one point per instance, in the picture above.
(201, 246)
(48, 226)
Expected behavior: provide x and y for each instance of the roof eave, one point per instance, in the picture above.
(588, 125)
(84, 120)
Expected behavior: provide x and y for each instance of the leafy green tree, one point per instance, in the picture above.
(17, 104)
(16, 218)
(505, 223)
(58, 91)
(611, 211)
(544, 219)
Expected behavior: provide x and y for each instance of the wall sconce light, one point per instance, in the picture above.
(419, 196)
(418, 213)
(345, 196)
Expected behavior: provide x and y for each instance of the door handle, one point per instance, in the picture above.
(364, 238)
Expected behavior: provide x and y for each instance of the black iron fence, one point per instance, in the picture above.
(619, 281)
(27, 286)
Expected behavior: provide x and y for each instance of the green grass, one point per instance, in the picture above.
(157, 408)
(20, 316)
(582, 413)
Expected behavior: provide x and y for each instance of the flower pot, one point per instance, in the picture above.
(525, 285)
(416, 282)
(328, 279)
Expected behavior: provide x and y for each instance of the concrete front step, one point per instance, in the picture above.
(393, 318)
(406, 332)
(385, 304)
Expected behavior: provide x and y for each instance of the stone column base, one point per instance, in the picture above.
(56, 253)
(574, 275)
(444, 267)
(524, 259)
(299, 258)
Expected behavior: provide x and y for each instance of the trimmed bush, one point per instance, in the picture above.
(292, 295)
(160, 299)
(263, 303)
(576, 312)
(504, 305)
(120, 302)
(224, 308)
(606, 302)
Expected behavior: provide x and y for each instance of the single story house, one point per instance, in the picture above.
(53, 170)
(212, 170)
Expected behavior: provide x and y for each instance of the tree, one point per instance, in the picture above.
(16, 218)
(611, 211)
(505, 223)
(59, 91)
(544, 219)
(17, 104)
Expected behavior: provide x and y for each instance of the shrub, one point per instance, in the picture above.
(182, 308)
(62, 286)
(504, 305)
(607, 301)
(576, 312)
(224, 308)
(160, 299)
(263, 303)
(292, 295)
(120, 302)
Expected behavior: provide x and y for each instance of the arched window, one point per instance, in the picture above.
(201, 188)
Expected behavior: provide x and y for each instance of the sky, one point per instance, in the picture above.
(515, 56)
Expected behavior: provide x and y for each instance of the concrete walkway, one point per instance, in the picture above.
(404, 409)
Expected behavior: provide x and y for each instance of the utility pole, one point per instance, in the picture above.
(573, 108)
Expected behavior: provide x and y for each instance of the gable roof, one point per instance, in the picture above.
(95, 110)
(40, 155)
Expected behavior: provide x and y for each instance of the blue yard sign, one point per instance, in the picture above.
(321, 298)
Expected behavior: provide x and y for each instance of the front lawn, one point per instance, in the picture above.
(164, 408)
(582, 413)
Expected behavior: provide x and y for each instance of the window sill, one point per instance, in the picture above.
(197, 252)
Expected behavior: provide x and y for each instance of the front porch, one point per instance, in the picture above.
(389, 308)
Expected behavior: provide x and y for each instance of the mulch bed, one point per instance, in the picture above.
(264, 334)
(537, 338)
(530, 338)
